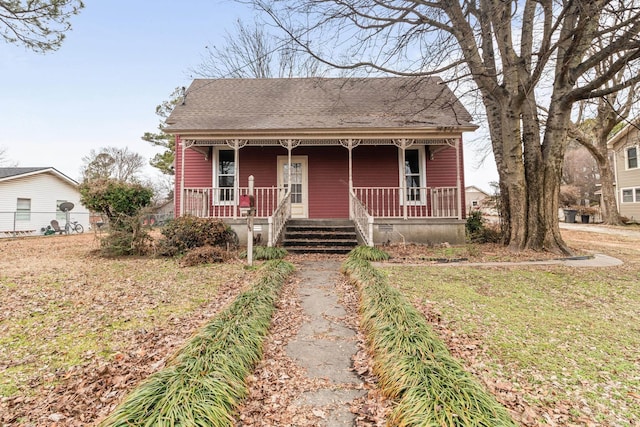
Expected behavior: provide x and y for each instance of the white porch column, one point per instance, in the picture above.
(403, 144)
(236, 144)
(458, 178)
(184, 144)
(350, 144)
(289, 144)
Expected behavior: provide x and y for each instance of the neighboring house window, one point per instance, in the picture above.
(60, 216)
(631, 195)
(632, 157)
(414, 173)
(23, 211)
(225, 175)
(474, 203)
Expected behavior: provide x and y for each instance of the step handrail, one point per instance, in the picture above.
(362, 219)
(279, 218)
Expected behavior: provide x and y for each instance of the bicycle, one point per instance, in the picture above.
(73, 226)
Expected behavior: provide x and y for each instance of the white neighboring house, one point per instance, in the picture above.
(30, 198)
(475, 198)
(625, 146)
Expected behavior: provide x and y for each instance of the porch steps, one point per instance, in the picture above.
(319, 236)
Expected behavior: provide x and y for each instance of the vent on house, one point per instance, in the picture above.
(385, 227)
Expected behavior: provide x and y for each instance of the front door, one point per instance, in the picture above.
(299, 183)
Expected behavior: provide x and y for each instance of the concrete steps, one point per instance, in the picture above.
(319, 236)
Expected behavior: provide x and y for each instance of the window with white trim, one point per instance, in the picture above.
(632, 157)
(225, 175)
(23, 210)
(414, 167)
(631, 195)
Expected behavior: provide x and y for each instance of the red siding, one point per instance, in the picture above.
(198, 171)
(261, 162)
(441, 171)
(375, 166)
(328, 181)
(328, 176)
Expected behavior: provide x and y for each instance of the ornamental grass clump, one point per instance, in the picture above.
(414, 367)
(205, 381)
(266, 253)
(369, 253)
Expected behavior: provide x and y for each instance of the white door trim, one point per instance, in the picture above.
(301, 209)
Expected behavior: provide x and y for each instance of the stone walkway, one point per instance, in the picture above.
(324, 345)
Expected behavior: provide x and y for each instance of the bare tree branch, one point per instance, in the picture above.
(39, 25)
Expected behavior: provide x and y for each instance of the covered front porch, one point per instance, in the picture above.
(393, 189)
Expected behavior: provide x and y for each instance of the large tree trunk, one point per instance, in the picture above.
(504, 127)
(600, 152)
(609, 207)
(553, 149)
(530, 173)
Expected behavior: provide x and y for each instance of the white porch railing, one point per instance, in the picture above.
(221, 203)
(361, 218)
(279, 218)
(419, 202)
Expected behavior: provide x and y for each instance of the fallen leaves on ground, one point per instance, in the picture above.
(85, 391)
(78, 332)
(278, 382)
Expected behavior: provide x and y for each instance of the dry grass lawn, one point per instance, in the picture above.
(77, 331)
(557, 345)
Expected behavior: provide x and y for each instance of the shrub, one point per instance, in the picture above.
(475, 222)
(115, 199)
(123, 204)
(129, 240)
(204, 255)
(188, 232)
(478, 231)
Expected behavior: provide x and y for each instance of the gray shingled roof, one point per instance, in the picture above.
(318, 103)
(9, 172)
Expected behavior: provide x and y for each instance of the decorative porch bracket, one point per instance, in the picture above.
(403, 144)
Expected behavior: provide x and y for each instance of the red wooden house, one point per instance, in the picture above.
(385, 153)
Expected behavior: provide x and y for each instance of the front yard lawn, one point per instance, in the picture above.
(70, 321)
(564, 340)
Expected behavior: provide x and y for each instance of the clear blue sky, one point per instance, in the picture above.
(121, 59)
